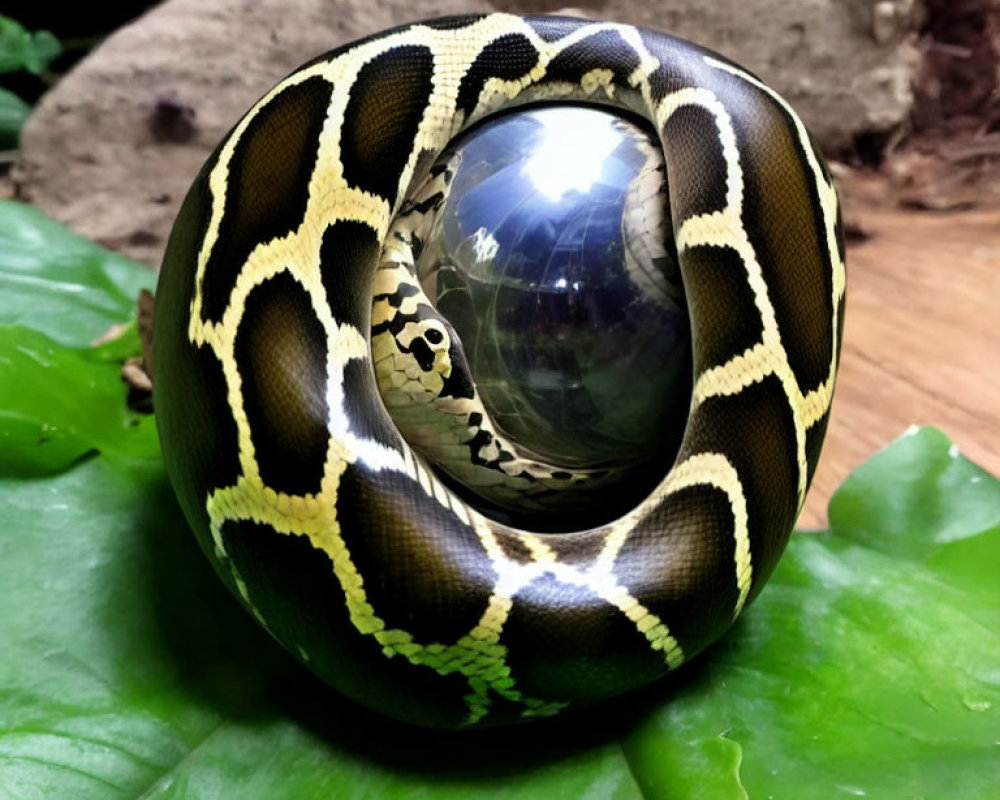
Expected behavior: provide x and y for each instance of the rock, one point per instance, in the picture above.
(113, 147)
(846, 66)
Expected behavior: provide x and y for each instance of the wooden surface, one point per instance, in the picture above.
(921, 342)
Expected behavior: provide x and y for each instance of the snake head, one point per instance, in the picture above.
(429, 344)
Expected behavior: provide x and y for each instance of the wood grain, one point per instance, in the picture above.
(921, 342)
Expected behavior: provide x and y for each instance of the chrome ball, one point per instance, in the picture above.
(553, 259)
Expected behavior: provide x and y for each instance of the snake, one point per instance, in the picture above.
(347, 545)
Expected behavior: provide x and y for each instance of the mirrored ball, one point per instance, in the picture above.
(553, 259)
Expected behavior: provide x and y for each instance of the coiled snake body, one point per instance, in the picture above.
(341, 541)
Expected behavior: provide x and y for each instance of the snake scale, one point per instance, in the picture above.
(341, 541)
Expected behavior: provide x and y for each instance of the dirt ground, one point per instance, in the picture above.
(922, 339)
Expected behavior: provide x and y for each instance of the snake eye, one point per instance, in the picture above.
(542, 236)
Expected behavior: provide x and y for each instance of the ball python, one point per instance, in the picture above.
(341, 541)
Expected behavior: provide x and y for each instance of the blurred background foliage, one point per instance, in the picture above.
(39, 43)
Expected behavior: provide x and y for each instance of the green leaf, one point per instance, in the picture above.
(13, 114)
(60, 284)
(59, 403)
(868, 666)
(60, 399)
(22, 50)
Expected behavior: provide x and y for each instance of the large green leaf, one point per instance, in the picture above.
(870, 665)
(60, 398)
(53, 281)
(59, 403)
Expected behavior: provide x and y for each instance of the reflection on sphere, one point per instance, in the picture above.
(552, 258)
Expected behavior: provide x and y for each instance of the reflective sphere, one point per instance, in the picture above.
(552, 257)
